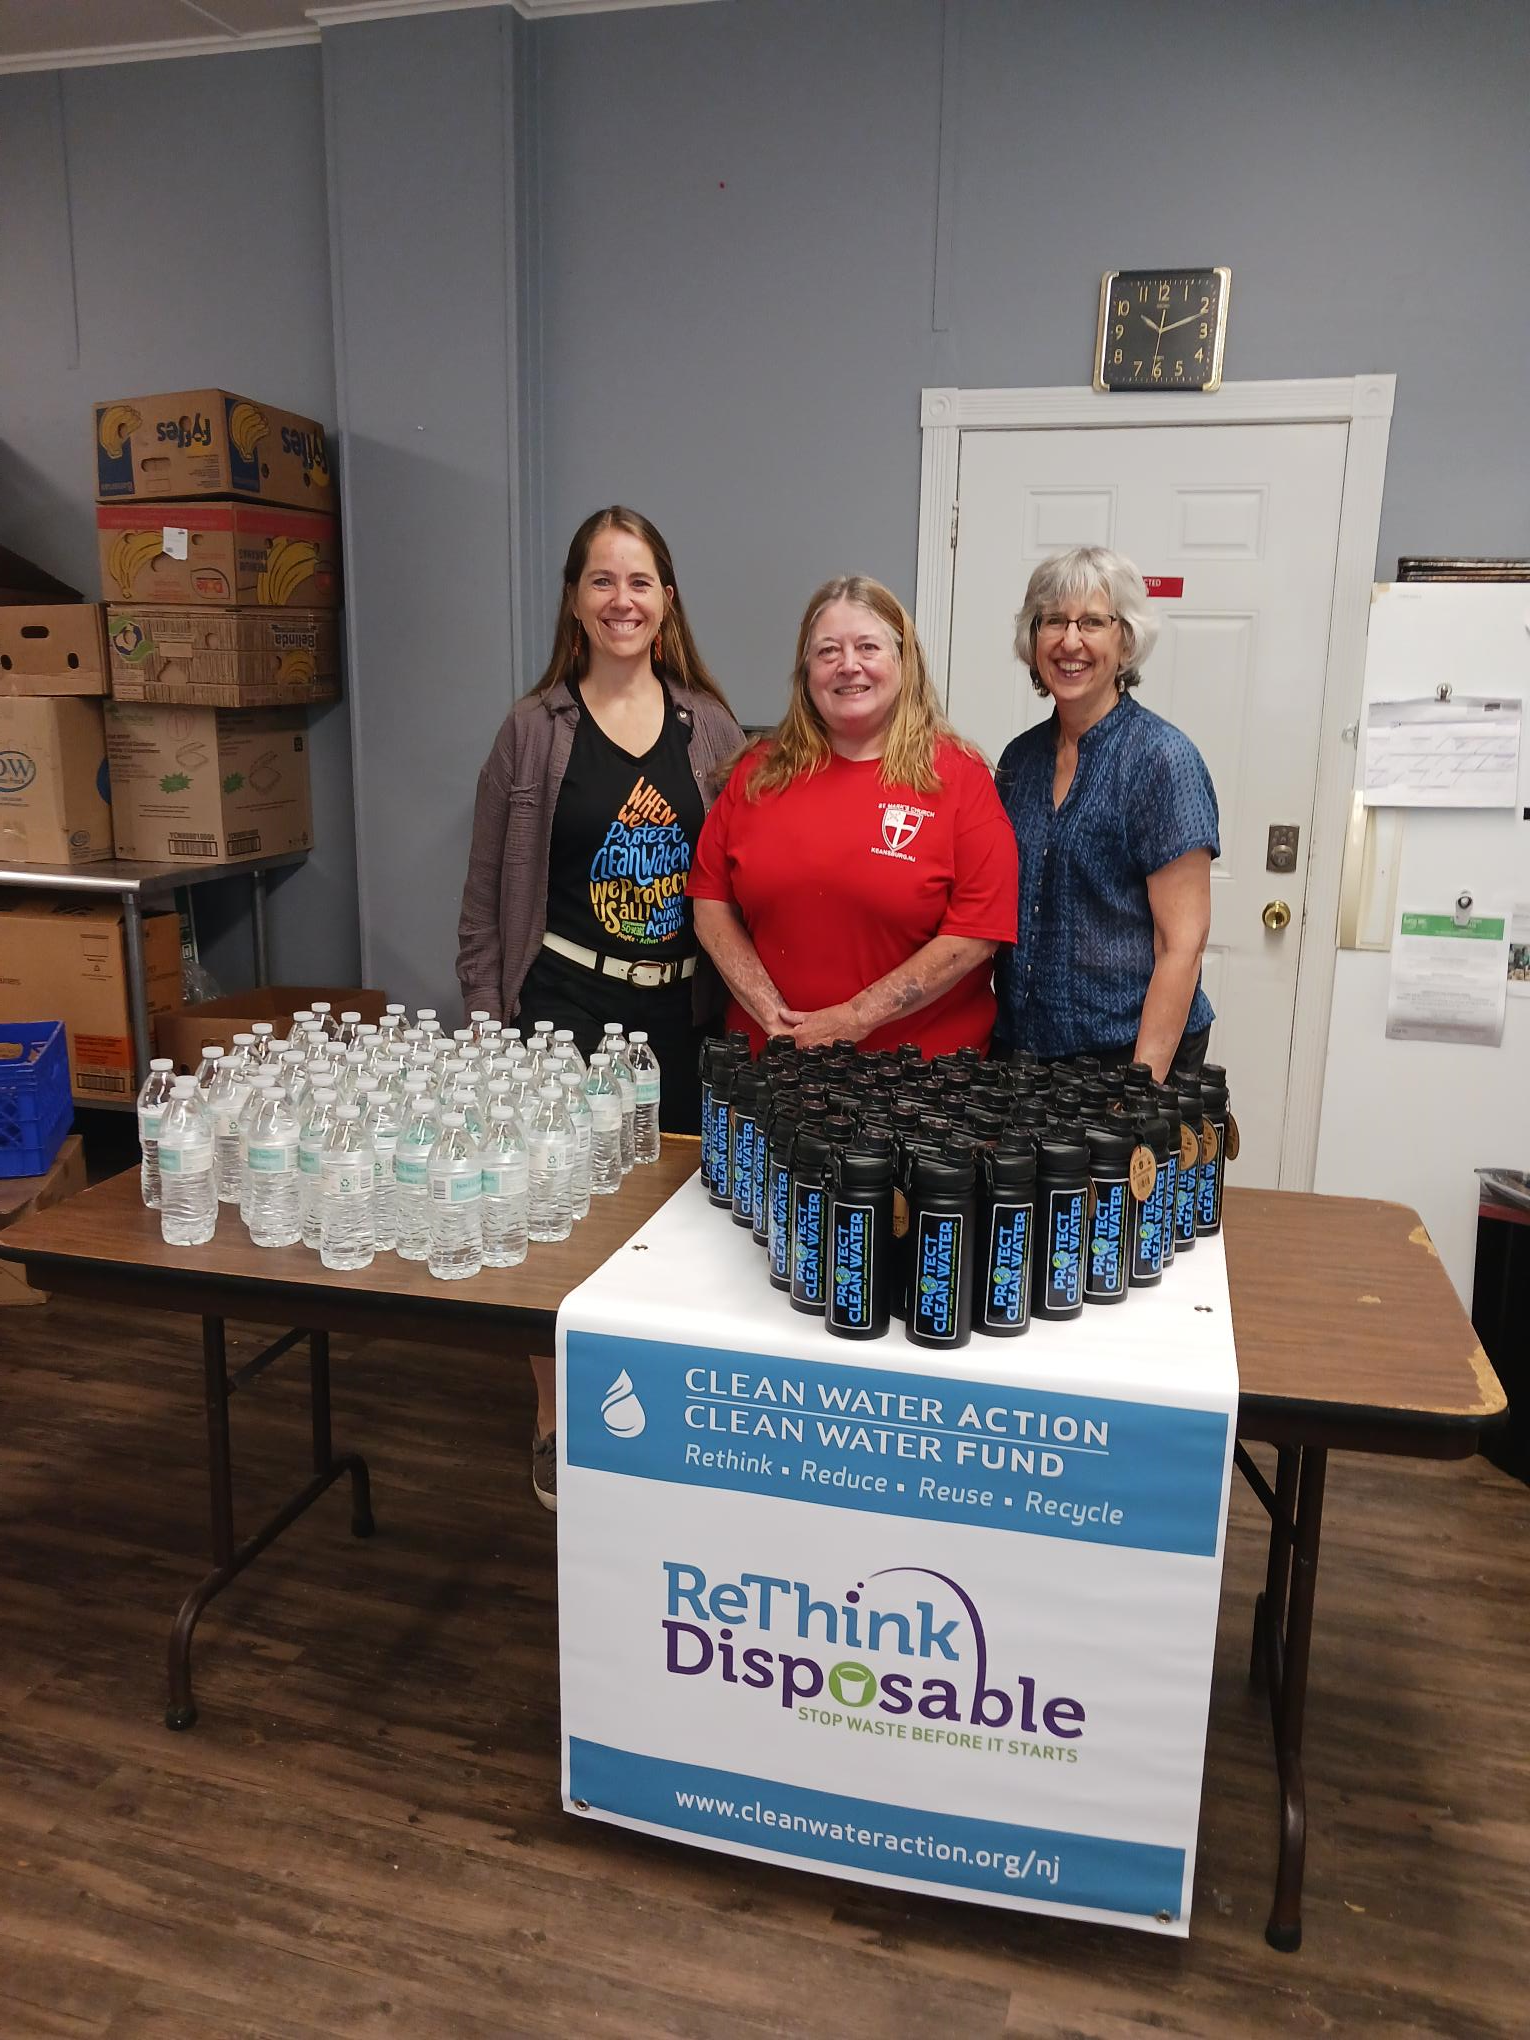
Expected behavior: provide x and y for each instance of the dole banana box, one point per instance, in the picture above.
(223, 658)
(53, 648)
(210, 443)
(207, 785)
(55, 802)
(185, 552)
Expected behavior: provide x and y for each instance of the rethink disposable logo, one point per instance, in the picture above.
(906, 1642)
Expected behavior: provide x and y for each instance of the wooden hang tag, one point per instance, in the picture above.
(1091, 1199)
(1143, 1174)
(1189, 1146)
(1209, 1141)
(900, 1214)
(1230, 1144)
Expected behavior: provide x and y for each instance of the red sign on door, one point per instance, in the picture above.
(1166, 586)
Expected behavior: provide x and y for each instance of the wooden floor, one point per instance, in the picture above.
(363, 1836)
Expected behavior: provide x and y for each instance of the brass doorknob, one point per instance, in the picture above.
(1276, 915)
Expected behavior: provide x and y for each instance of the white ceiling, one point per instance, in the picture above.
(44, 35)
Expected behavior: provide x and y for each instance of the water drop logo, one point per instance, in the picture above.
(624, 1415)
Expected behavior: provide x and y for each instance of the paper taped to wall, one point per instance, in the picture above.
(1461, 753)
(1449, 978)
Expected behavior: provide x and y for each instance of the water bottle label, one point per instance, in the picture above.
(347, 1175)
(271, 1158)
(648, 1088)
(776, 1234)
(505, 1179)
(186, 1158)
(606, 1113)
(1007, 1289)
(382, 1170)
(1064, 1248)
(854, 1266)
(807, 1244)
(149, 1122)
(1185, 1197)
(937, 1274)
(310, 1157)
(584, 1131)
(1105, 1273)
(745, 1134)
(626, 1091)
(546, 1151)
(463, 1186)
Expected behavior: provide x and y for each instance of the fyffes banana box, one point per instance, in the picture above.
(210, 443)
(223, 658)
(204, 785)
(225, 553)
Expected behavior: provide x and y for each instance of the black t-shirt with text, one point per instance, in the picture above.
(623, 837)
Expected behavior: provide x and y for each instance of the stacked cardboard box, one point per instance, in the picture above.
(220, 562)
(54, 804)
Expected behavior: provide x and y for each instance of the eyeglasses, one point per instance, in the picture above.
(1059, 626)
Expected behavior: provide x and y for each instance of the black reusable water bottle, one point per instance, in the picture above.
(1187, 1190)
(712, 1050)
(809, 1207)
(781, 1087)
(1006, 1235)
(1167, 1100)
(1062, 1179)
(719, 1146)
(1145, 1257)
(751, 1093)
(1208, 1203)
(1108, 1220)
(785, 1118)
(942, 1222)
(860, 1240)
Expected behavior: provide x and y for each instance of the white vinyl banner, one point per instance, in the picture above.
(937, 1621)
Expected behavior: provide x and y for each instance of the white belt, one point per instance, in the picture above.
(626, 968)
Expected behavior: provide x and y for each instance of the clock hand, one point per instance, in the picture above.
(1178, 322)
(1149, 324)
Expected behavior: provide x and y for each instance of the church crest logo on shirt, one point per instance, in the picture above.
(900, 825)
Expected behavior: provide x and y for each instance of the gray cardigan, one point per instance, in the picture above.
(504, 901)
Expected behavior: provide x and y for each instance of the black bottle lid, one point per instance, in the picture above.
(751, 1087)
(1192, 1107)
(785, 1118)
(984, 1122)
(1010, 1170)
(711, 1046)
(1140, 1072)
(1062, 1151)
(724, 1070)
(863, 1169)
(738, 1038)
(960, 1142)
(1110, 1147)
(839, 1128)
(811, 1148)
(943, 1178)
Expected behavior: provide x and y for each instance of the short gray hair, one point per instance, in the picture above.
(1075, 575)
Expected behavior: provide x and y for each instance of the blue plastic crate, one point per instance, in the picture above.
(36, 1110)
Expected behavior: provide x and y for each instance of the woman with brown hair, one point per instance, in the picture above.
(858, 872)
(585, 827)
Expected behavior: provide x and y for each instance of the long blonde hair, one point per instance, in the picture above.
(800, 741)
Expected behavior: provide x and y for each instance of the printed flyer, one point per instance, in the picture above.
(941, 1622)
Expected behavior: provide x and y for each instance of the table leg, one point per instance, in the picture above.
(258, 927)
(137, 987)
(1282, 1651)
(230, 1559)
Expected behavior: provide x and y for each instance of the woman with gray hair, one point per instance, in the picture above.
(1116, 820)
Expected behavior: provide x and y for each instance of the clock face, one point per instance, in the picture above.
(1161, 329)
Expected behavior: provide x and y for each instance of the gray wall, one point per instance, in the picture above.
(162, 226)
(703, 259)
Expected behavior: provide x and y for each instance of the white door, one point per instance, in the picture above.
(1238, 526)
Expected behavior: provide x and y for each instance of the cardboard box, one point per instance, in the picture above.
(20, 1196)
(202, 785)
(210, 443)
(23, 581)
(53, 648)
(224, 658)
(62, 959)
(55, 803)
(185, 1034)
(219, 552)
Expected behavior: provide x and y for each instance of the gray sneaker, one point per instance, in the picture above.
(544, 1469)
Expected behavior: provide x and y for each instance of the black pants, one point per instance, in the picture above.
(564, 992)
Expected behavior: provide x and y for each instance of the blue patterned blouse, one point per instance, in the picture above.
(1141, 796)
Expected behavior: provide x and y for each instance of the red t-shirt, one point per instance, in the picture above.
(840, 879)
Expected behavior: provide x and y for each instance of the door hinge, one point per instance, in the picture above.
(956, 518)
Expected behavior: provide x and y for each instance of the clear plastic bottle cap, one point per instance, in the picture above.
(161, 1062)
(347, 1111)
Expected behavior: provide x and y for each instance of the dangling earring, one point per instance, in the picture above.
(577, 637)
(658, 649)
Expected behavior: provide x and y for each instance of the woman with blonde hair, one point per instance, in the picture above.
(857, 872)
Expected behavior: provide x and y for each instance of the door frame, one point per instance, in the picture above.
(1364, 404)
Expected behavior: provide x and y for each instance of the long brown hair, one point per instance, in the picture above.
(800, 742)
(681, 664)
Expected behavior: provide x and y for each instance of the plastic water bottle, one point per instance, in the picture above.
(152, 1100)
(271, 1162)
(264, 1044)
(605, 1105)
(506, 1190)
(383, 1121)
(226, 1100)
(297, 1032)
(476, 1021)
(345, 1034)
(323, 1012)
(345, 1210)
(207, 1068)
(576, 1105)
(455, 1175)
(188, 1213)
(550, 1152)
(626, 1087)
(242, 1054)
(317, 1121)
(566, 1049)
(260, 1079)
(645, 1075)
(418, 1132)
